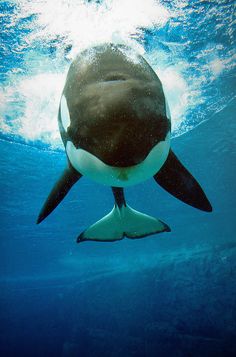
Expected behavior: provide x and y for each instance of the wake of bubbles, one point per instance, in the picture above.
(40, 38)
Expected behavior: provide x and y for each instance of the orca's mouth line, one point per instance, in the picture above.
(115, 78)
(110, 81)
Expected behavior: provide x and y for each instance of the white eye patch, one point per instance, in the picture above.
(167, 110)
(65, 115)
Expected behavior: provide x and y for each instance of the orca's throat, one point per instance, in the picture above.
(122, 145)
(122, 155)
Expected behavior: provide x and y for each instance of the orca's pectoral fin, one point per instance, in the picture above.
(59, 191)
(178, 181)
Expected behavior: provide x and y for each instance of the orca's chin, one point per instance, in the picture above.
(125, 162)
(122, 156)
(91, 166)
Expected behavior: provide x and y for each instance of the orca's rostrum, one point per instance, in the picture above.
(115, 125)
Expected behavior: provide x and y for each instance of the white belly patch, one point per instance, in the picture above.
(92, 167)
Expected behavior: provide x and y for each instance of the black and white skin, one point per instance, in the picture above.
(115, 125)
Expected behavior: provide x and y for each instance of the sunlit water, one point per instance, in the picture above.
(167, 295)
(190, 46)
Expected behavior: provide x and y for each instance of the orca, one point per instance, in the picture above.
(115, 124)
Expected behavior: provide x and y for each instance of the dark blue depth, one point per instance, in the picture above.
(172, 294)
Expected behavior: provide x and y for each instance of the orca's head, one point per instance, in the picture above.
(117, 120)
(113, 106)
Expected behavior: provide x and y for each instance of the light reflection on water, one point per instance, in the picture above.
(39, 40)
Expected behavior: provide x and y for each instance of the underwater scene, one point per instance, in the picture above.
(167, 294)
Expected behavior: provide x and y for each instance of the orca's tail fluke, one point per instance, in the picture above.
(123, 221)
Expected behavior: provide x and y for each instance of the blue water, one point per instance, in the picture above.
(166, 295)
